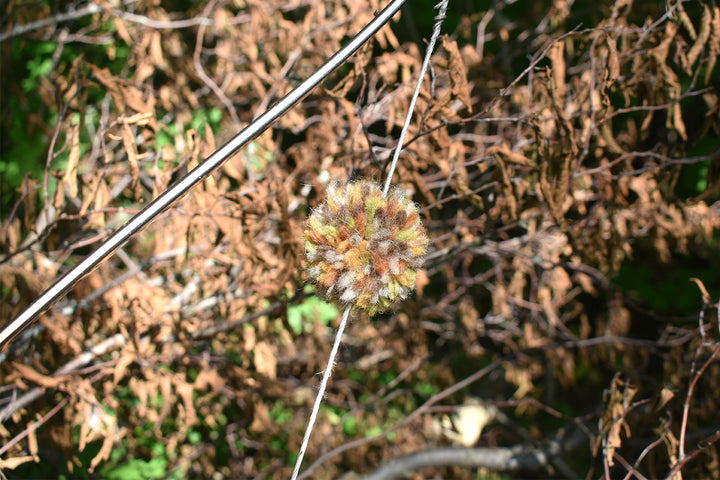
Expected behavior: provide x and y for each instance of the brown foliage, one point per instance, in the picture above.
(549, 163)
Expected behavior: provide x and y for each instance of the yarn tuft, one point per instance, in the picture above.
(364, 249)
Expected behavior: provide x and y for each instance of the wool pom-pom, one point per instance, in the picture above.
(364, 249)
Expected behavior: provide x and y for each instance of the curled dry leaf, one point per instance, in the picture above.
(458, 72)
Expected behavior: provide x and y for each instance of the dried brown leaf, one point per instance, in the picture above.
(122, 30)
(665, 396)
(458, 72)
(713, 44)
(132, 155)
(613, 65)
(619, 318)
(264, 360)
(671, 445)
(133, 97)
(557, 62)
(209, 377)
(156, 50)
(684, 20)
(185, 391)
(614, 423)
(120, 370)
(508, 189)
(85, 411)
(508, 155)
(28, 373)
(71, 170)
(110, 426)
(675, 121)
(702, 38)
(707, 299)
(101, 201)
(62, 332)
(13, 463)
(33, 441)
(261, 417)
(165, 382)
(520, 377)
(586, 282)
(110, 82)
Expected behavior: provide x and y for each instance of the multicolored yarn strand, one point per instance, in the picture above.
(364, 249)
(364, 246)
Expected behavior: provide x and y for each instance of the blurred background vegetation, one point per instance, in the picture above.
(566, 158)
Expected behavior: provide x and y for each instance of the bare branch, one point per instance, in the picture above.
(90, 9)
(500, 459)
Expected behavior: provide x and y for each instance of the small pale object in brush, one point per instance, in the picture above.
(364, 249)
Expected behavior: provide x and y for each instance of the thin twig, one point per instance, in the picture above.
(34, 426)
(631, 470)
(201, 71)
(688, 398)
(702, 445)
(90, 9)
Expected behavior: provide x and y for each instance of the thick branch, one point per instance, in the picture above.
(501, 459)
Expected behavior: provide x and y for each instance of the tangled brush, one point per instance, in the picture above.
(364, 249)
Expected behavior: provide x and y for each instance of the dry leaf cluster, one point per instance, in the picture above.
(566, 175)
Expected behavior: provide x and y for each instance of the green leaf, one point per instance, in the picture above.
(137, 469)
(300, 316)
(194, 437)
(350, 426)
